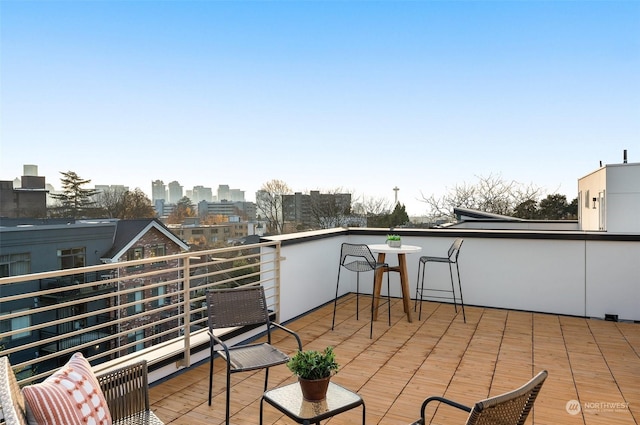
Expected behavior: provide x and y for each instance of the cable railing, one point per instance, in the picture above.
(110, 312)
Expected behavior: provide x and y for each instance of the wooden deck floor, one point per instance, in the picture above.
(594, 362)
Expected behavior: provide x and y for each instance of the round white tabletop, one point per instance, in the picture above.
(404, 249)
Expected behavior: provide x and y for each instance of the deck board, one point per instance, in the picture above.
(592, 361)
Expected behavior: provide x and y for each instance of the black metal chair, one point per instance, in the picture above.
(237, 307)
(436, 293)
(510, 408)
(359, 258)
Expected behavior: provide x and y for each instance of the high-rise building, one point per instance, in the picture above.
(158, 191)
(201, 193)
(224, 193)
(236, 195)
(175, 192)
(109, 188)
(231, 195)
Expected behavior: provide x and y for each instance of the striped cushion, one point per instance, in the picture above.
(71, 396)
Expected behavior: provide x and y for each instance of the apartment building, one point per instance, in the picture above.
(33, 246)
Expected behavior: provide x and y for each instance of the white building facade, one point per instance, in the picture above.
(609, 199)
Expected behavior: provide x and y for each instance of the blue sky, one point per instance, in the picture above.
(362, 95)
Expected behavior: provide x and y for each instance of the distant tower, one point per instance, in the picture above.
(29, 170)
(158, 191)
(175, 192)
(396, 189)
(224, 194)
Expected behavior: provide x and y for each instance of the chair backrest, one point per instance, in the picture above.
(357, 252)
(454, 249)
(233, 307)
(126, 389)
(511, 408)
(11, 399)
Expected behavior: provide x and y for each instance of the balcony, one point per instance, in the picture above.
(536, 301)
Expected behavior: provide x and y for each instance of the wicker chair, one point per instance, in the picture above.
(359, 258)
(510, 408)
(125, 390)
(238, 307)
(441, 294)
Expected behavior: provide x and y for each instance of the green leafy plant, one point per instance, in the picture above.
(312, 364)
(393, 237)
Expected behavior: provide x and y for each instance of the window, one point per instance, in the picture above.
(71, 258)
(157, 330)
(16, 323)
(15, 264)
(77, 310)
(586, 200)
(136, 253)
(158, 251)
(159, 291)
(135, 297)
(136, 336)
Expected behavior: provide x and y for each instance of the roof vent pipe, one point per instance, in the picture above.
(624, 156)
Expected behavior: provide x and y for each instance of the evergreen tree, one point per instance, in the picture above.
(553, 207)
(74, 201)
(399, 216)
(527, 210)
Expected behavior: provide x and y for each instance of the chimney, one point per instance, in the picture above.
(624, 156)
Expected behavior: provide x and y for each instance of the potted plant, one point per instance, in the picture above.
(394, 241)
(314, 370)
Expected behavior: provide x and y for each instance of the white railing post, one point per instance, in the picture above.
(186, 318)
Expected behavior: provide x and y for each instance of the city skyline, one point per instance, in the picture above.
(227, 191)
(362, 96)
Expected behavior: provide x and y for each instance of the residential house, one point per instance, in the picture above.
(37, 246)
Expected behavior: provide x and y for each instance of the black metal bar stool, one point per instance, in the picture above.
(359, 258)
(440, 294)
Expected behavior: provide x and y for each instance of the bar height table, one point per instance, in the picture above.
(382, 250)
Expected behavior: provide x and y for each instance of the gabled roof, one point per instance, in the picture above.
(129, 232)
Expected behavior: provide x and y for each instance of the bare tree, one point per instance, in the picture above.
(491, 194)
(111, 201)
(125, 204)
(371, 207)
(331, 208)
(269, 203)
